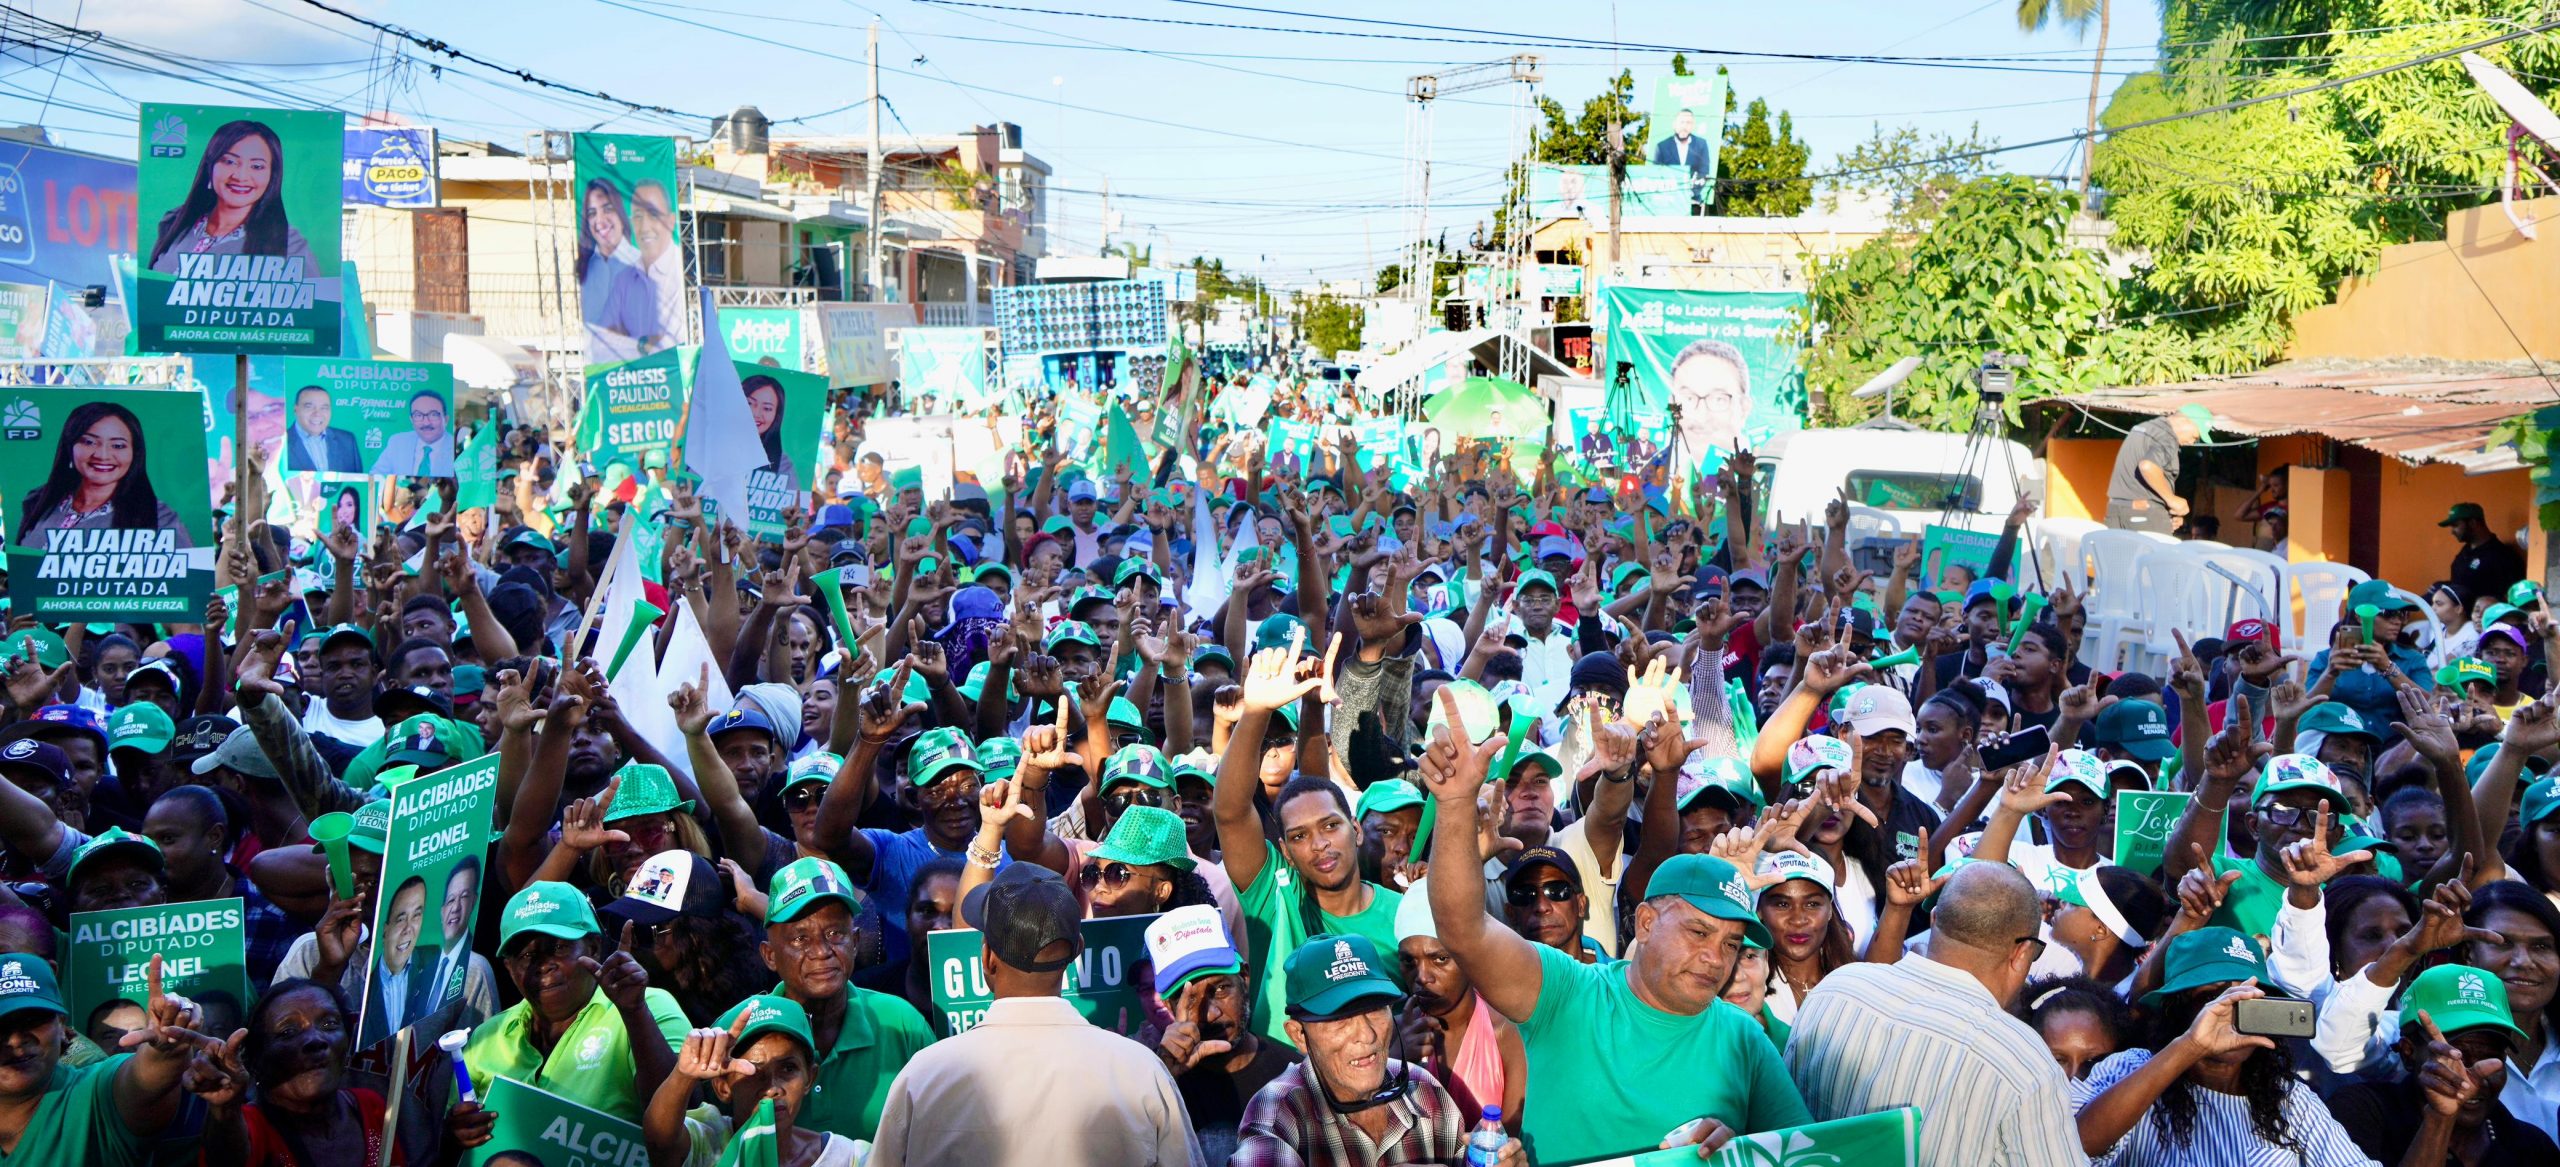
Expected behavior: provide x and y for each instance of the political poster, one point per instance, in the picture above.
(1599, 444)
(1886, 1138)
(243, 235)
(64, 216)
(788, 407)
(1109, 984)
(2144, 819)
(944, 370)
(537, 1126)
(1722, 365)
(630, 256)
(105, 497)
(202, 957)
(763, 336)
(326, 503)
(1685, 127)
(1567, 191)
(429, 893)
(854, 339)
(901, 452)
(390, 167)
(1942, 547)
(23, 308)
(634, 409)
(387, 418)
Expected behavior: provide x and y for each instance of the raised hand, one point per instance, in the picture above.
(1181, 1044)
(2445, 1079)
(1716, 623)
(1279, 676)
(2232, 753)
(1000, 804)
(1453, 767)
(2022, 791)
(885, 709)
(2533, 727)
(169, 1020)
(2200, 891)
(255, 678)
(2427, 729)
(709, 1052)
(218, 1077)
(1378, 618)
(2308, 863)
(2440, 919)
(1046, 749)
(619, 975)
(1909, 883)
(692, 703)
(582, 826)
(1830, 670)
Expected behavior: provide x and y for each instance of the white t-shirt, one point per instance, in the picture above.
(317, 719)
(1855, 900)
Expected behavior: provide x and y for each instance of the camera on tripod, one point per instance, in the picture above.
(1995, 378)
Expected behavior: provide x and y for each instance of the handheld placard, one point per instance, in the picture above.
(330, 831)
(644, 616)
(452, 1043)
(831, 589)
(2028, 610)
(2364, 615)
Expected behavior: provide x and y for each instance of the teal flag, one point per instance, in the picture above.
(1120, 447)
(757, 1144)
(477, 468)
(1109, 984)
(538, 1126)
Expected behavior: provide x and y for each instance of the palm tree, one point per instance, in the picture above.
(2075, 15)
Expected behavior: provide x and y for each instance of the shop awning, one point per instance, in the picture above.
(2418, 413)
(705, 202)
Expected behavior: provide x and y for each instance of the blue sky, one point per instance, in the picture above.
(1234, 142)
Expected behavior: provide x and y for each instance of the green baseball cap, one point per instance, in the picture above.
(2490, 615)
(975, 684)
(1336, 975)
(1147, 834)
(990, 568)
(547, 907)
(1000, 756)
(1275, 631)
(2078, 768)
(27, 983)
(1537, 577)
(646, 788)
(140, 726)
(2336, 717)
(1087, 595)
(50, 651)
(1124, 713)
(112, 841)
(802, 884)
(2206, 956)
(1383, 797)
(1130, 569)
(1069, 631)
(1729, 776)
(818, 766)
(1555, 769)
(916, 692)
(2541, 800)
(938, 752)
(2202, 417)
(2461, 511)
(1713, 886)
(2458, 997)
(2381, 595)
(769, 1013)
(2299, 772)
(2466, 670)
(372, 831)
(2139, 728)
(1137, 762)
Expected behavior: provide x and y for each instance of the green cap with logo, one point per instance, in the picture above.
(2458, 997)
(646, 788)
(140, 726)
(1535, 577)
(805, 883)
(1130, 569)
(50, 651)
(116, 840)
(1070, 632)
(2466, 670)
(2204, 957)
(1137, 762)
(2078, 768)
(1000, 756)
(1275, 631)
(1814, 753)
(2336, 717)
(1336, 975)
(1124, 714)
(1147, 834)
(1387, 796)
(549, 908)
(769, 1013)
(1713, 886)
(2380, 594)
(26, 982)
(2299, 772)
(940, 751)
(1729, 776)
(818, 766)
(2139, 728)
(2541, 800)
(372, 831)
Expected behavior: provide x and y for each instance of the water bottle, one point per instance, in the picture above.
(1485, 1143)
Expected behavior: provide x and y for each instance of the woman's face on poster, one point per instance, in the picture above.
(604, 221)
(242, 174)
(104, 452)
(347, 509)
(765, 406)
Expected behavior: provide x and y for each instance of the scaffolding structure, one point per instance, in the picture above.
(1520, 73)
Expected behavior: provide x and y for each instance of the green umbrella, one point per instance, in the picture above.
(1490, 407)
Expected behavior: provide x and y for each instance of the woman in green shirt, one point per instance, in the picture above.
(105, 1114)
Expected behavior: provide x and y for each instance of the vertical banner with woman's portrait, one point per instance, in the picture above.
(630, 257)
(1723, 365)
(105, 496)
(430, 893)
(327, 503)
(239, 230)
(786, 405)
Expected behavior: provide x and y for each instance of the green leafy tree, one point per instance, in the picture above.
(1919, 172)
(1761, 168)
(1330, 323)
(2076, 15)
(1582, 139)
(1997, 272)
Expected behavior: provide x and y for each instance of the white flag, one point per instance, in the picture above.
(720, 442)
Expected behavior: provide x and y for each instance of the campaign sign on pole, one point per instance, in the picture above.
(325, 503)
(1723, 365)
(1943, 547)
(391, 167)
(104, 491)
(202, 956)
(240, 219)
(854, 339)
(1109, 984)
(635, 408)
(1886, 1138)
(630, 257)
(387, 418)
(2144, 819)
(763, 336)
(430, 893)
(788, 406)
(538, 1126)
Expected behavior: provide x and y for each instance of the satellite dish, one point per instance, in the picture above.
(2532, 119)
(1884, 382)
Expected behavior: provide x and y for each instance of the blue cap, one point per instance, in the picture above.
(835, 514)
(1980, 592)
(743, 715)
(1558, 545)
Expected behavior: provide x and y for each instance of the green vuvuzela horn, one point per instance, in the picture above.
(830, 584)
(330, 831)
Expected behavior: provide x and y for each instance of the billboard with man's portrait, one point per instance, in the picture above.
(630, 254)
(387, 418)
(1722, 365)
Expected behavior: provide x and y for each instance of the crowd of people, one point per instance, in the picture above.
(1488, 811)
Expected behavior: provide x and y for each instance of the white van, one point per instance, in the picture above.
(1900, 479)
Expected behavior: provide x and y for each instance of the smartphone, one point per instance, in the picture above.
(2273, 1017)
(2025, 745)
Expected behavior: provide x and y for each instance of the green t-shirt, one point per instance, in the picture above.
(76, 1122)
(880, 1033)
(1614, 1075)
(2251, 906)
(1276, 906)
(591, 1065)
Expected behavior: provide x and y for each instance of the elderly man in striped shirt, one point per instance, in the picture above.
(1932, 1031)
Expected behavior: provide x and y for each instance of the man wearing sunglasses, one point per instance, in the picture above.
(2293, 795)
(1543, 900)
(817, 932)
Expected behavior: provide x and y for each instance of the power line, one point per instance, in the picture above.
(527, 76)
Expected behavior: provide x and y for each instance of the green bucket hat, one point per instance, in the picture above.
(1000, 756)
(769, 1013)
(1138, 762)
(1333, 975)
(549, 908)
(938, 752)
(1387, 796)
(141, 726)
(2206, 956)
(803, 884)
(646, 789)
(1710, 885)
(27, 983)
(1147, 834)
(2458, 997)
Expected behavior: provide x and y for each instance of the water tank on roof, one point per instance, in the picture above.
(1010, 133)
(746, 128)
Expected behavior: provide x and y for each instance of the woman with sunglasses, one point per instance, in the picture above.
(1139, 869)
(605, 838)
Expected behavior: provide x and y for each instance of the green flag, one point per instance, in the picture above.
(476, 469)
(1120, 447)
(756, 1144)
(1887, 1138)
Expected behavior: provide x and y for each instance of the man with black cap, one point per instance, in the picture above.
(1543, 901)
(348, 670)
(1035, 1073)
(2485, 564)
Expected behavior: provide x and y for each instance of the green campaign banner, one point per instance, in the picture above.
(537, 1126)
(635, 409)
(789, 407)
(1578, 191)
(1602, 445)
(323, 503)
(944, 370)
(1887, 1138)
(1722, 365)
(763, 336)
(388, 418)
(431, 891)
(240, 210)
(1109, 984)
(1684, 128)
(2144, 819)
(106, 498)
(1944, 547)
(630, 258)
(475, 468)
(201, 951)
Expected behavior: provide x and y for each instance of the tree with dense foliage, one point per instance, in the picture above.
(1329, 323)
(1918, 172)
(1761, 168)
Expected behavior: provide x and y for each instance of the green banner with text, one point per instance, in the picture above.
(540, 1127)
(202, 957)
(1109, 984)
(106, 501)
(1722, 365)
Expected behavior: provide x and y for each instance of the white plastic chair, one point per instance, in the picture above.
(2259, 592)
(2058, 543)
(2313, 593)
(2175, 598)
(2109, 561)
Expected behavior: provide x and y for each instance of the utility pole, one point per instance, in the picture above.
(1617, 176)
(1106, 215)
(871, 179)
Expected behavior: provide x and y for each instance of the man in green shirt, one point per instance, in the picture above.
(105, 1114)
(1624, 1055)
(590, 1029)
(1309, 883)
(814, 935)
(2293, 797)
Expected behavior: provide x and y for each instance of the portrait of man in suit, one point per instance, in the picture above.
(453, 959)
(425, 449)
(400, 991)
(1686, 150)
(313, 443)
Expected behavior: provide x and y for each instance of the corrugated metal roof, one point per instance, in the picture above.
(2417, 412)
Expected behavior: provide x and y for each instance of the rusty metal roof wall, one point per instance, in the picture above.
(2417, 412)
